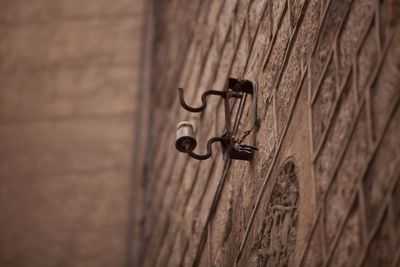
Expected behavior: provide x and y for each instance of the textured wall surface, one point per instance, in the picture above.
(324, 187)
(68, 81)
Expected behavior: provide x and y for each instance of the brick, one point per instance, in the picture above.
(69, 44)
(67, 92)
(354, 28)
(295, 9)
(275, 60)
(241, 55)
(366, 59)
(350, 242)
(286, 93)
(67, 102)
(346, 180)
(380, 252)
(324, 103)
(208, 73)
(63, 247)
(225, 17)
(313, 254)
(277, 9)
(256, 11)
(382, 170)
(335, 138)
(222, 221)
(256, 56)
(226, 61)
(66, 202)
(385, 9)
(385, 93)
(331, 24)
(200, 221)
(308, 30)
(41, 11)
(49, 148)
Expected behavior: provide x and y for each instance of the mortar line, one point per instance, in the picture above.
(378, 26)
(209, 246)
(363, 212)
(336, 64)
(355, 80)
(370, 127)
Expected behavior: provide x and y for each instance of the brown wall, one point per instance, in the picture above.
(69, 73)
(324, 187)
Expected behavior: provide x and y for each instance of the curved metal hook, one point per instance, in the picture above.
(231, 147)
(203, 99)
(209, 148)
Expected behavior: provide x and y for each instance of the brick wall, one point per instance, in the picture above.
(324, 187)
(68, 85)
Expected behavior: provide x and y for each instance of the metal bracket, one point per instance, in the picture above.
(231, 146)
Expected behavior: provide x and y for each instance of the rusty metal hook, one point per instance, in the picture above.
(223, 94)
(222, 140)
(232, 147)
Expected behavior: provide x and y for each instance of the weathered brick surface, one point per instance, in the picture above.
(322, 188)
(70, 187)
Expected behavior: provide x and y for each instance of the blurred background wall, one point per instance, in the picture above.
(69, 78)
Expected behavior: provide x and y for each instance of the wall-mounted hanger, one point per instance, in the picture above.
(231, 146)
